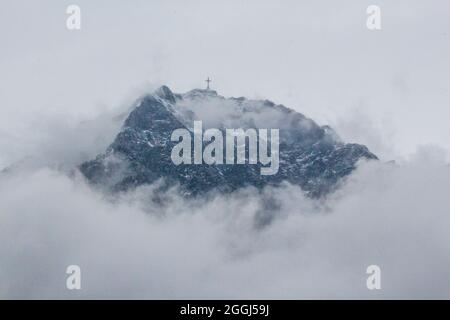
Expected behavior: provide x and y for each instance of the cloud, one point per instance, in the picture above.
(393, 216)
(358, 126)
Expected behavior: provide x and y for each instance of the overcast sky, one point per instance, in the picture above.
(388, 89)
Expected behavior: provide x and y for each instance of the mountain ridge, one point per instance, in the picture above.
(311, 156)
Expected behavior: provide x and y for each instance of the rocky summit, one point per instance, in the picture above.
(310, 156)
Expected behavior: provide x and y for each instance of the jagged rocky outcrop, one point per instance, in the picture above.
(311, 156)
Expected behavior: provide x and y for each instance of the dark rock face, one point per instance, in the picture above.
(310, 156)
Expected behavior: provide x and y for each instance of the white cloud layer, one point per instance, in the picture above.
(394, 216)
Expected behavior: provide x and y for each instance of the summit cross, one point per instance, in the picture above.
(207, 83)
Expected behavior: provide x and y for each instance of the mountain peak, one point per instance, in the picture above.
(310, 156)
(199, 93)
(165, 93)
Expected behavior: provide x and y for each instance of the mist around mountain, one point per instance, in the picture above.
(160, 239)
(310, 156)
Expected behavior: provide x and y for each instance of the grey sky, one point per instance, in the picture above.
(315, 56)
